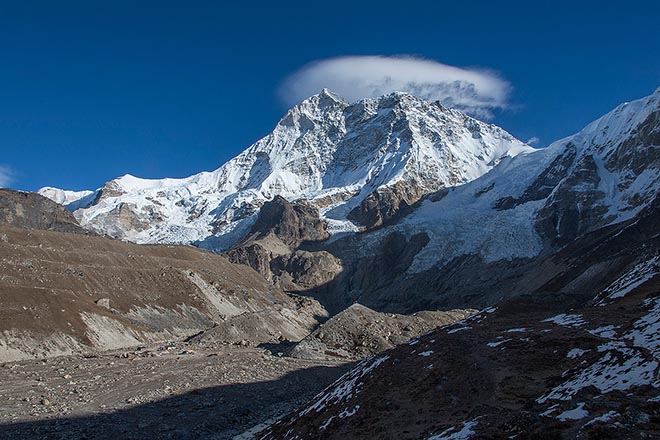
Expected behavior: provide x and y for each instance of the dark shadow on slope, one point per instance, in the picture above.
(212, 413)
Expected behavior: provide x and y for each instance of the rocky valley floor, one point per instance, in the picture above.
(175, 391)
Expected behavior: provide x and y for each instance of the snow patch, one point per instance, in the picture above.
(574, 414)
(346, 387)
(575, 353)
(620, 369)
(567, 320)
(634, 278)
(498, 343)
(465, 432)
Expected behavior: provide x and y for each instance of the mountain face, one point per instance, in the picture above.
(569, 347)
(498, 229)
(414, 197)
(360, 164)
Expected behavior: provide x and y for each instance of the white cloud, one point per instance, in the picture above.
(6, 176)
(356, 77)
(533, 140)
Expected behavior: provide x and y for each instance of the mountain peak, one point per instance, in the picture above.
(325, 150)
(328, 94)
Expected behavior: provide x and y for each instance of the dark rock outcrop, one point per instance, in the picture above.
(271, 247)
(253, 255)
(545, 183)
(574, 208)
(292, 222)
(302, 270)
(33, 211)
(386, 204)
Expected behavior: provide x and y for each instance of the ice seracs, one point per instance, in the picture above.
(605, 174)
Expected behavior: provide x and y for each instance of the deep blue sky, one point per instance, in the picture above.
(93, 90)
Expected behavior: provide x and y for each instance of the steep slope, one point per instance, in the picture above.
(366, 162)
(497, 229)
(578, 358)
(523, 371)
(68, 293)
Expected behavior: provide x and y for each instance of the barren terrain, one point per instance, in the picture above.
(174, 391)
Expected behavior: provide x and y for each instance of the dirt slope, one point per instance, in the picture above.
(64, 293)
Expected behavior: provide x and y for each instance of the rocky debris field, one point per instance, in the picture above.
(358, 332)
(174, 391)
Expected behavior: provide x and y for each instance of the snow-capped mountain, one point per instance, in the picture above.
(561, 249)
(64, 197)
(497, 229)
(602, 175)
(325, 150)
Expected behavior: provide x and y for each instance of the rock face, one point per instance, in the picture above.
(383, 153)
(302, 270)
(271, 246)
(29, 210)
(387, 204)
(293, 223)
(499, 228)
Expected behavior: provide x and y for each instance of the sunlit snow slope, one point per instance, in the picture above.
(325, 150)
(605, 174)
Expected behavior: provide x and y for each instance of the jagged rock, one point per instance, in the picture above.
(253, 255)
(575, 206)
(292, 222)
(545, 183)
(387, 204)
(269, 248)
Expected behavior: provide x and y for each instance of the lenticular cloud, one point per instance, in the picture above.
(477, 92)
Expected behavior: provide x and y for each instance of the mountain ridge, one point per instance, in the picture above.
(330, 152)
